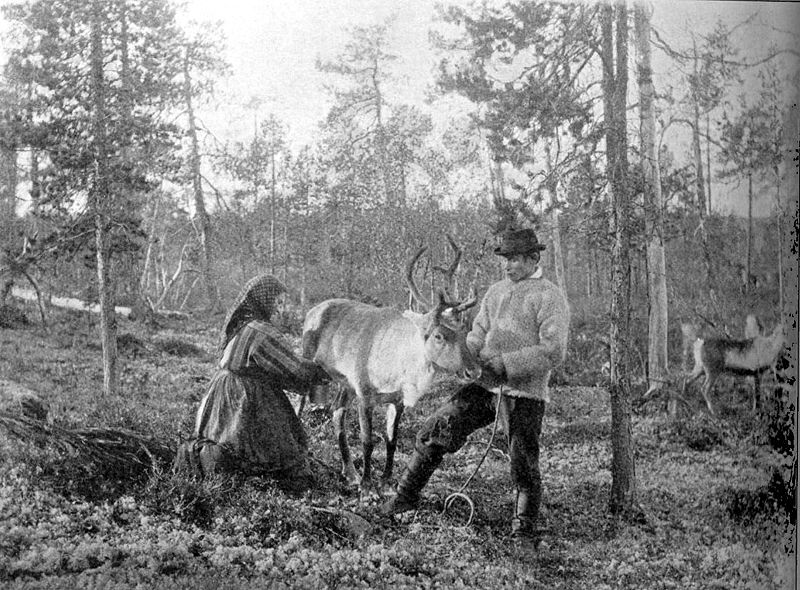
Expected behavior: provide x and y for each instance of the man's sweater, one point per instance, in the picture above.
(527, 323)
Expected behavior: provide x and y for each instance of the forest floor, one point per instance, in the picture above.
(711, 520)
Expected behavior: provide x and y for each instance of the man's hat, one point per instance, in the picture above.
(518, 241)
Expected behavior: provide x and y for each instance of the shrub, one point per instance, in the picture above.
(94, 463)
(778, 497)
(12, 318)
(699, 432)
(178, 347)
(192, 500)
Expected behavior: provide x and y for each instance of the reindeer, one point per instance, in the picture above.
(383, 356)
(750, 356)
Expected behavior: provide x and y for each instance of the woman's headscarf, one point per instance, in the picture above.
(256, 301)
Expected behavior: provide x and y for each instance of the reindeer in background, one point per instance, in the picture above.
(752, 356)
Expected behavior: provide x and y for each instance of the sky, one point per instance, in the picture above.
(272, 46)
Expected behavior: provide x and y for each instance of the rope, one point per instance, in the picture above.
(448, 501)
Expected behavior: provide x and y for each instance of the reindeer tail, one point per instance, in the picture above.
(316, 320)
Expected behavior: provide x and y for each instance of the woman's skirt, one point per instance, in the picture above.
(252, 420)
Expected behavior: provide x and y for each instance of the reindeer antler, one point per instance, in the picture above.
(446, 299)
(450, 271)
(412, 286)
(469, 302)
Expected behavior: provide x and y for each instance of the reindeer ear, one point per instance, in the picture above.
(423, 321)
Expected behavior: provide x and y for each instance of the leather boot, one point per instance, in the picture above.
(523, 523)
(416, 475)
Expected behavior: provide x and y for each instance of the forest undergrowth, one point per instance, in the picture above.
(712, 516)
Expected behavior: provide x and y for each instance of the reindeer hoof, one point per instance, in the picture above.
(351, 479)
(369, 493)
(387, 487)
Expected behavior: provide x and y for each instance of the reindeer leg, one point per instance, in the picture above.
(365, 423)
(756, 393)
(707, 388)
(339, 419)
(393, 414)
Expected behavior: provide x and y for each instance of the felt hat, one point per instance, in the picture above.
(518, 241)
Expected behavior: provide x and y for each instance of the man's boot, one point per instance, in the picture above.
(523, 524)
(416, 475)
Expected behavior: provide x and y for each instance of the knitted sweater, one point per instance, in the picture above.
(527, 323)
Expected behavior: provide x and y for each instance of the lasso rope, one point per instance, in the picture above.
(448, 501)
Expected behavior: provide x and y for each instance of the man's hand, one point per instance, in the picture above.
(493, 371)
(495, 363)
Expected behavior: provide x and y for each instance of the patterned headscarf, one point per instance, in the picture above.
(256, 301)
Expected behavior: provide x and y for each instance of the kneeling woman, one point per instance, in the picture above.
(245, 422)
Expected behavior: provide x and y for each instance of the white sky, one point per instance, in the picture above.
(273, 44)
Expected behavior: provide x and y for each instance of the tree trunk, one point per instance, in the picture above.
(708, 163)
(304, 259)
(272, 200)
(700, 182)
(558, 253)
(779, 221)
(99, 198)
(700, 205)
(498, 182)
(383, 160)
(749, 257)
(657, 361)
(203, 226)
(555, 232)
(36, 189)
(152, 239)
(8, 183)
(615, 83)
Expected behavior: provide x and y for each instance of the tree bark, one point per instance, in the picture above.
(708, 163)
(203, 226)
(272, 198)
(749, 258)
(701, 205)
(615, 83)
(555, 230)
(152, 240)
(383, 160)
(657, 361)
(8, 182)
(99, 198)
(558, 253)
(779, 222)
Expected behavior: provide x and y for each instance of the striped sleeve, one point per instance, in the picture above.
(273, 354)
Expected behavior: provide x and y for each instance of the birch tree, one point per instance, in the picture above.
(200, 61)
(657, 360)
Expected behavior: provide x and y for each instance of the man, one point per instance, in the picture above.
(520, 335)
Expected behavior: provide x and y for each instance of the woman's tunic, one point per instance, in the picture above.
(245, 409)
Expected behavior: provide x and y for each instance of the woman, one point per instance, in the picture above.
(245, 422)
